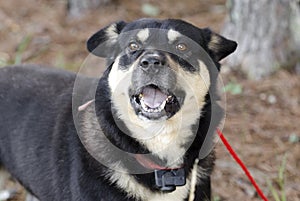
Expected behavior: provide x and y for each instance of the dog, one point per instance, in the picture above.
(137, 135)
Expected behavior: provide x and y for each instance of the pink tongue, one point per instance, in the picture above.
(153, 97)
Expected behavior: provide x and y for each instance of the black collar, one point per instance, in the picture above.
(166, 179)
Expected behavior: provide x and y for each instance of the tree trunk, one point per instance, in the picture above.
(76, 8)
(268, 34)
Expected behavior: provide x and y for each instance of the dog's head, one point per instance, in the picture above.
(160, 74)
(155, 53)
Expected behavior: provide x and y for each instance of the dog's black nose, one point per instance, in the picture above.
(152, 62)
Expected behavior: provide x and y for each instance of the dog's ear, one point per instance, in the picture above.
(103, 42)
(218, 45)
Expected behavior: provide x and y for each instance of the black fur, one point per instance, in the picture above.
(39, 144)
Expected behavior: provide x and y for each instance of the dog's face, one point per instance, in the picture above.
(159, 77)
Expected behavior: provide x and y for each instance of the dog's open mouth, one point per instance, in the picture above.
(155, 103)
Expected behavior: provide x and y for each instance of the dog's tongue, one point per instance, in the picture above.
(153, 97)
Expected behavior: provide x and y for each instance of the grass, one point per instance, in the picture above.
(60, 61)
(233, 88)
(279, 193)
(216, 198)
(21, 49)
(18, 59)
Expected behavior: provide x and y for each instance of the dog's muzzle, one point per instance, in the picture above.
(154, 95)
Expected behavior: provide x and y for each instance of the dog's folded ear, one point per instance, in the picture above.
(219, 46)
(103, 42)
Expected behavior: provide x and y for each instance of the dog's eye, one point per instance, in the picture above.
(133, 46)
(181, 47)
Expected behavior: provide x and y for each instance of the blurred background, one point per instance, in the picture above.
(261, 80)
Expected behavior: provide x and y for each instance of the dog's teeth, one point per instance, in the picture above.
(144, 106)
(162, 106)
(147, 109)
(169, 98)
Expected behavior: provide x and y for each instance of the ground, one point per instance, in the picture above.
(262, 117)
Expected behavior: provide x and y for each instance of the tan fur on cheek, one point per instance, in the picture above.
(195, 84)
(196, 89)
(119, 80)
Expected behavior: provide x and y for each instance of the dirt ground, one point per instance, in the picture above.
(262, 117)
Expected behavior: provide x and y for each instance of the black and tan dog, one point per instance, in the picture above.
(138, 137)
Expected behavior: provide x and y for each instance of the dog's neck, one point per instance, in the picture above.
(165, 179)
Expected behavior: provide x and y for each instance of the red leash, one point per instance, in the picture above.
(242, 165)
